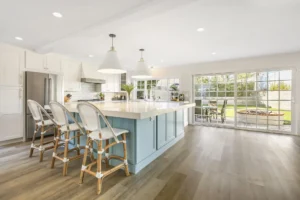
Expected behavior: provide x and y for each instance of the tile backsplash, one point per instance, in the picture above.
(88, 91)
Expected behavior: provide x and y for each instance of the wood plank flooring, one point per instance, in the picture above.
(208, 163)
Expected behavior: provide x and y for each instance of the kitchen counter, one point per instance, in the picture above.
(134, 109)
(153, 128)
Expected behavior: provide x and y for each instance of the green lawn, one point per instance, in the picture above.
(230, 111)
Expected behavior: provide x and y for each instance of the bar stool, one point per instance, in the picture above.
(64, 128)
(89, 115)
(41, 125)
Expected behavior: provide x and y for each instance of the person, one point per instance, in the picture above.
(67, 98)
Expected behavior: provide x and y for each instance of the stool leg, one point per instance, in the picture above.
(65, 169)
(86, 150)
(125, 155)
(55, 147)
(99, 182)
(41, 143)
(33, 139)
(107, 151)
(78, 143)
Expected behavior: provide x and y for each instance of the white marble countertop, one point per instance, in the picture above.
(134, 109)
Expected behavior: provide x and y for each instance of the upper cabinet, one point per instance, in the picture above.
(112, 83)
(53, 63)
(72, 75)
(42, 62)
(11, 63)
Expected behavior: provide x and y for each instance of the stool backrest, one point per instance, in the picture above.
(89, 115)
(59, 113)
(37, 111)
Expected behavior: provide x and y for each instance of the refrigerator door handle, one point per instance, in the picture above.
(46, 91)
(49, 90)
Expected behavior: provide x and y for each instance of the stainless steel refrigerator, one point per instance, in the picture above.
(42, 88)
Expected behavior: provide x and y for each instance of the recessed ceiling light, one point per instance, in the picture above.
(18, 38)
(91, 56)
(213, 53)
(57, 14)
(162, 60)
(200, 29)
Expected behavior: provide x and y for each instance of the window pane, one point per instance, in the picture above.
(262, 86)
(273, 75)
(286, 75)
(285, 85)
(250, 85)
(221, 86)
(273, 86)
(262, 76)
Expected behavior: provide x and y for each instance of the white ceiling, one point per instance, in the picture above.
(165, 28)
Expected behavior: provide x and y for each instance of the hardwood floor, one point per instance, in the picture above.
(209, 163)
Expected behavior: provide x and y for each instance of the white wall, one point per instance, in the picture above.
(185, 73)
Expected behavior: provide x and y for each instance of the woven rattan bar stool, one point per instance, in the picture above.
(41, 125)
(64, 129)
(90, 116)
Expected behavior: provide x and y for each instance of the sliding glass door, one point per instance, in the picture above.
(250, 100)
(214, 98)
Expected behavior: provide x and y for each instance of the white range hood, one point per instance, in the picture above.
(90, 75)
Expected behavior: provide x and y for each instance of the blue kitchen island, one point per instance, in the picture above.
(153, 128)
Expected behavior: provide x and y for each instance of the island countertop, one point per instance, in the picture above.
(134, 109)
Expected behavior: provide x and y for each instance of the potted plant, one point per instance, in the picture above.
(101, 96)
(128, 88)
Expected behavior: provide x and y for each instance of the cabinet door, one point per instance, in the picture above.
(117, 80)
(72, 75)
(11, 123)
(35, 61)
(11, 61)
(53, 63)
(170, 126)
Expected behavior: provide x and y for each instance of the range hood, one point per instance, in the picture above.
(93, 80)
(90, 75)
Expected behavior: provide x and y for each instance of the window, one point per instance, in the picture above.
(144, 88)
(252, 100)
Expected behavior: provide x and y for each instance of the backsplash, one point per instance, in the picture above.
(88, 91)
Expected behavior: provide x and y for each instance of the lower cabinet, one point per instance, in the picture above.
(11, 115)
(165, 128)
(179, 122)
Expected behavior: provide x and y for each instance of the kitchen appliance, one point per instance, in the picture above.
(41, 88)
(80, 100)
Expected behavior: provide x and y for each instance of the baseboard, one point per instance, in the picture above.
(12, 141)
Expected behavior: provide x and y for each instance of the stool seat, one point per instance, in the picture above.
(72, 127)
(106, 133)
(46, 123)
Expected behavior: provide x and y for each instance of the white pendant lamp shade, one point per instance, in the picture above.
(141, 71)
(111, 64)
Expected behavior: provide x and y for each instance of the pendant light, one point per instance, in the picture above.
(111, 64)
(142, 70)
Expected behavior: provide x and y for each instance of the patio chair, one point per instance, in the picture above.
(223, 111)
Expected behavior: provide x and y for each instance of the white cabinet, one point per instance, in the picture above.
(11, 62)
(53, 63)
(42, 62)
(35, 61)
(112, 83)
(11, 123)
(11, 92)
(72, 75)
